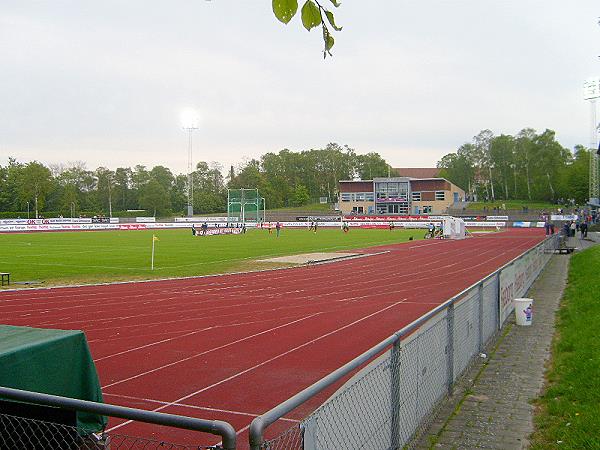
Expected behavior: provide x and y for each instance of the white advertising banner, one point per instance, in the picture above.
(563, 217)
(205, 219)
(517, 278)
(58, 227)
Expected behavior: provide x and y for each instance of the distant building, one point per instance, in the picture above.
(401, 195)
(418, 172)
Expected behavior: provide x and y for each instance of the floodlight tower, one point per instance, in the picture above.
(591, 92)
(189, 121)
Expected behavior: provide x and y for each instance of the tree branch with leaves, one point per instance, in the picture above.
(313, 14)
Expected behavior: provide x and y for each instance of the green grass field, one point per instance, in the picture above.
(515, 204)
(91, 257)
(569, 412)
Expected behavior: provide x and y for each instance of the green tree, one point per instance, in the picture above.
(122, 187)
(9, 186)
(300, 196)
(154, 197)
(34, 184)
(457, 168)
(502, 159)
(576, 179)
(370, 166)
(105, 179)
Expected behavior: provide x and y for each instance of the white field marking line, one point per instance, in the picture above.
(429, 244)
(211, 350)
(239, 374)
(204, 408)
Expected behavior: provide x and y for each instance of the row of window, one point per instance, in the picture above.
(357, 197)
(392, 189)
(369, 196)
(439, 195)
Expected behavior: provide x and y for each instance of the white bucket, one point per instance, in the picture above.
(523, 310)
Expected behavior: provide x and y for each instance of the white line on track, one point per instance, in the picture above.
(210, 350)
(204, 408)
(239, 374)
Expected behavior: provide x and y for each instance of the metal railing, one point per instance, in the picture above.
(29, 433)
(389, 401)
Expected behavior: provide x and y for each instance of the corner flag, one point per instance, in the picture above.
(154, 239)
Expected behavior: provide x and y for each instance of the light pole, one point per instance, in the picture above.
(591, 92)
(189, 121)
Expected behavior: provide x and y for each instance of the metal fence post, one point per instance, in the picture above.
(498, 304)
(395, 394)
(450, 347)
(480, 296)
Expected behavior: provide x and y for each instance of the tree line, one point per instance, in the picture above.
(529, 165)
(284, 179)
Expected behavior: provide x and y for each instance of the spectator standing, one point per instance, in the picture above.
(278, 228)
(583, 229)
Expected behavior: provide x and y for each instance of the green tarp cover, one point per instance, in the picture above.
(56, 362)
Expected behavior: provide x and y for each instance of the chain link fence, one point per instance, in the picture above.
(32, 434)
(391, 400)
(43, 422)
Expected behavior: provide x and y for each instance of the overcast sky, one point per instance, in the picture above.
(105, 82)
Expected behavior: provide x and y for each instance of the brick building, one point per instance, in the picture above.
(402, 195)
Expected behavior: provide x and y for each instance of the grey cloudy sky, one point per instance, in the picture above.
(105, 81)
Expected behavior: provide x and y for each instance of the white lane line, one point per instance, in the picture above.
(204, 408)
(210, 350)
(239, 374)
(151, 344)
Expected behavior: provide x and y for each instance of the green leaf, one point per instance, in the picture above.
(328, 39)
(284, 10)
(335, 3)
(331, 20)
(311, 16)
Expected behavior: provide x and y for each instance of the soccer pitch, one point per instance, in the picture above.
(102, 256)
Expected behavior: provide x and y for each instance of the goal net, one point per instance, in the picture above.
(454, 228)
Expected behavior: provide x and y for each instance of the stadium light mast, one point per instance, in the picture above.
(591, 92)
(189, 122)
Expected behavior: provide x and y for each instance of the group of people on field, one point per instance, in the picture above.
(434, 231)
(203, 229)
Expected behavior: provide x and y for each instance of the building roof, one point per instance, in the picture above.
(418, 172)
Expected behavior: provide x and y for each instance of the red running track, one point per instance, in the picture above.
(231, 347)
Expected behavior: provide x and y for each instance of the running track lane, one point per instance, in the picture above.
(231, 347)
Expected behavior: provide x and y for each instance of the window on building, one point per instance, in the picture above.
(360, 196)
(358, 210)
(403, 190)
(426, 209)
(346, 196)
(416, 196)
(440, 195)
(369, 196)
